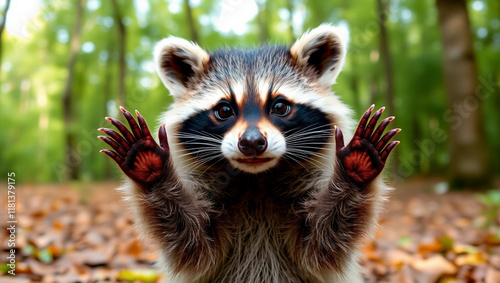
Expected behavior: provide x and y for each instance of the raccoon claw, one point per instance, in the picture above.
(135, 151)
(364, 157)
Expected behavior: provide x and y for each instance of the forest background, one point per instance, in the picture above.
(68, 64)
(65, 65)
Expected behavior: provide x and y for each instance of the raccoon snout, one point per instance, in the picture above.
(252, 142)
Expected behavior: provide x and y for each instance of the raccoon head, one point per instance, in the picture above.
(253, 108)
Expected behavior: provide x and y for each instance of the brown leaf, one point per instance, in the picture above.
(39, 268)
(404, 275)
(15, 280)
(398, 257)
(492, 276)
(95, 258)
(432, 268)
(495, 261)
(134, 248)
(430, 247)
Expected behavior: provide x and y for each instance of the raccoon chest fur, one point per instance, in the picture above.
(259, 236)
(259, 216)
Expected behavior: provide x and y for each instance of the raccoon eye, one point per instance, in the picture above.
(281, 107)
(223, 111)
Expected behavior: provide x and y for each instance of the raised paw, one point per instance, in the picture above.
(364, 157)
(135, 151)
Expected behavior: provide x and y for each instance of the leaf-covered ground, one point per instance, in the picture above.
(84, 233)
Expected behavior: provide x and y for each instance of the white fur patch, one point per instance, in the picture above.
(276, 147)
(238, 91)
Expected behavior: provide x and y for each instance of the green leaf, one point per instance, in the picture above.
(446, 242)
(405, 242)
(45, 256)
(29, 250)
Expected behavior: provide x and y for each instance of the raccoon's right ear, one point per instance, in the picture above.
(323, 50)
(177, 61)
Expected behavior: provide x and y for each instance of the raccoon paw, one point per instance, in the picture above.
(136, 152)
(364, 157)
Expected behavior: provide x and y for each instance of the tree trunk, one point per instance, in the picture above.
(354, 81)
(72, 159)
(107, 90)
(122, 42)
(192, 28)
(469, 157)
(386, 57)
(2, 27)
(291, 9)
(262, 23)
(382, 10)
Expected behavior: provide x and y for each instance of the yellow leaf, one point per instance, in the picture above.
(471, 259)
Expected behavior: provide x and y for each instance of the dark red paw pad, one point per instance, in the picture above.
(147, 166)
(359, 166)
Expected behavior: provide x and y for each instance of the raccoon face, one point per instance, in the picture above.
(256, 107)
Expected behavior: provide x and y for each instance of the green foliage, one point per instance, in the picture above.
(491, 202)
(44, 255)
(32, 140)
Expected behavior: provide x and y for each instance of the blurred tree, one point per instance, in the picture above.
(263, 23)
(122, 43)
(290, 6)
(32, 87)
(71, 162)
(108, 79)
(2, 27)
(382, 11)
(469, 156)
(193, 32)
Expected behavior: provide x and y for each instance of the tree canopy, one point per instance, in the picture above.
(114, 66)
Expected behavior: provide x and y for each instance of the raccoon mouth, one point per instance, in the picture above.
(253, 160)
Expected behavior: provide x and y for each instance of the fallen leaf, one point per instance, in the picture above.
(471, 259)
(492, 276)
(464, 249)
(144, 275)
(432, 268)
(404, 274)
(398, 257)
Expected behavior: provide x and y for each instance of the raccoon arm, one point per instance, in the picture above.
(177, 220)
(335, 221)
(340, 215)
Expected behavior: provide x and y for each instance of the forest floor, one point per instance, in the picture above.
(84, 233)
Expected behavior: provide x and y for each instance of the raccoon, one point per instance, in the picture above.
(253, 182)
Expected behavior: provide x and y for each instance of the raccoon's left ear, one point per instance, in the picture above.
(177, 62)
(323, 49)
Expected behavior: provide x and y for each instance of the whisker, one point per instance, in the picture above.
(313, 126)
(320, 132)
(197, 152)
(201, 138)
(309, 148)
(307, 152)
(304, 157)
(222, 158)
(203, 133)
(288, 156)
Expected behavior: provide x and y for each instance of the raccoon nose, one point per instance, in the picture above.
(252, 142)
